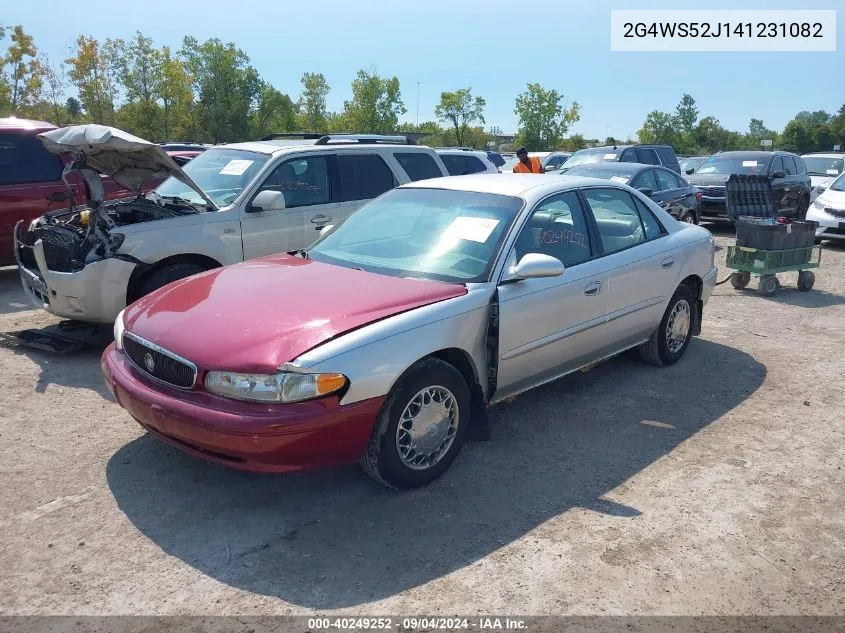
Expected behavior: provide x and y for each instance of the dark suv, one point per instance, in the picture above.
(790, 180)
(646, 154)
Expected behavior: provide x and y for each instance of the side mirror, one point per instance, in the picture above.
(326, 230)
(646, 191)
(779, 174)
(535, 266)
(550, 167)
(690, 171)
(267, 200)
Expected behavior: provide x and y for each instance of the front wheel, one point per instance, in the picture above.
(689, 218)
(421, 427)
(806, 280)
(670, 340)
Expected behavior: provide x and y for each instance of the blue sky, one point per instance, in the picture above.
(495, 47)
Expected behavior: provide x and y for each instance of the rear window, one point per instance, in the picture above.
(667, 157)
(455, 165)
(418, 165)
(474, 165)
(496, 158)
(23, 159)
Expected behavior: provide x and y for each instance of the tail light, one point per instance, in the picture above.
(698, 196)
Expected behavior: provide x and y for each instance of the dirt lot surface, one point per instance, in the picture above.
(716, 486)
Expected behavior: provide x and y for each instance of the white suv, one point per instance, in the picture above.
(230, 203)
(461, 162)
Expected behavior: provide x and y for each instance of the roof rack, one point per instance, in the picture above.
(364, 139)
(462, 148)
(302, 135)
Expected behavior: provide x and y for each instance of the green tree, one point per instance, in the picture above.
(226, 86)
(140, 68)
(92, 70)
(275, 112)
(25, 72)
(174, 90)
(461, 110)
(312, 102)
(837, 126)
(686, 114)
(73, 107)
(575, 142)
(659, 127)
(376, 104)
(543, 119)
(55, 82)
(796, 137)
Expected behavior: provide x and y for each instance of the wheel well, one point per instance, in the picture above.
(694, 283)
(461, 361)
(142, 273)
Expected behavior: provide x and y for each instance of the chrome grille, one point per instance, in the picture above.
(712, 192)
(158, 363)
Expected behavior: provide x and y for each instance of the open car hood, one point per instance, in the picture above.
(128, 160)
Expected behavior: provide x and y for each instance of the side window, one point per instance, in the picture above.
(653, 228)
(629, 156)
(363, 176)
(645, 180)
(667, 157)
(302, 181)
(23, 159)
(800, 167)
(474, 165)
(418, 165)
(617, 218)
(777, 165)
(555, 161)
(646, 156)
(557, 227)
(455, 165)
(665, 180)
(789, 165)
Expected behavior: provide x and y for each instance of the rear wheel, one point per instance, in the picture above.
(166, 275)
(689, 218)
(740, 280)
(421, 427)
(670, 340)
(768, 286)
(806, 280)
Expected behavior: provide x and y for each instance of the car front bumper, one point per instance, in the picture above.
(714, 208)
(246, 435)
(97, 293)
(830, 226)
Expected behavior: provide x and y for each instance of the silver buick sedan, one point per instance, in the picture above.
(386, 340)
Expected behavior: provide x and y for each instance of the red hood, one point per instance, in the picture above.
(264, 312)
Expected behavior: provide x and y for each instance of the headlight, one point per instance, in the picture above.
(118, 330)
(281, 387)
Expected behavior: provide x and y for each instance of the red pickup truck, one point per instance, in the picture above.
(31, 180)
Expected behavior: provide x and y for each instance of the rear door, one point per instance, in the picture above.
(550, 326)
(642, 264)
(793, 190)
(455, 164)
(28, 175)
(780, 186)
(645, 180)
(308, 183)
(362, 176)
(647, 156)
(419, 165)
(670, 195)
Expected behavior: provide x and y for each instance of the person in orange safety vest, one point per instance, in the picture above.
(527, 165)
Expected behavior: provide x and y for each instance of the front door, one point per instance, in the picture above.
(550, 326)
(780, 186)
(310, 204)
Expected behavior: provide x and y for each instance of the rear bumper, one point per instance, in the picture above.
(245, 435)
(97, 293)
(714, 208)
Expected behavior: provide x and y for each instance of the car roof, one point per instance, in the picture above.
(614, 166)
(13, 122)
(460, 152)
(749, 154)
(824, 155)
(507, 184)
(280, 145)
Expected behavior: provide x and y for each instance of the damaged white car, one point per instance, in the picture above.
(230, 203)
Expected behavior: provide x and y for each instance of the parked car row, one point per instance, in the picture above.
(368, 322)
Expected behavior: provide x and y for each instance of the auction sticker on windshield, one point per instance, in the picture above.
(749, 163)
(619, 179)
(609, 156)
(832, 172)
(470, 228)
(236, 167)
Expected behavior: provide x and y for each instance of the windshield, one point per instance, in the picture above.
(582, 157)
(838, 184)
(819, 166)
(619, 174)
(733, 165)
(509, 164)
(691, 163)
(429, 233)
(221, 173)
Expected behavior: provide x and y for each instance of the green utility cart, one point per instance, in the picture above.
(753, 261)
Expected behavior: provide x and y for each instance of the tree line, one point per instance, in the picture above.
(682, 129)
(210, 92)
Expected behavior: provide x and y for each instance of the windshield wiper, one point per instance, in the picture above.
(182, 200)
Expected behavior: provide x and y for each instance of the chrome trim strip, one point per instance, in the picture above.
(161, 350)
(642, 305)
(553, 338)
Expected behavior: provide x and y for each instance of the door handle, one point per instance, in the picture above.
(668, 262)
(592, 288)
(320, 219)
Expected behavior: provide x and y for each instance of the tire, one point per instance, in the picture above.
(803, 207)
(689, 218)
(806, 280)
(384, 460)
(768, 285)
(656, 350)
(166, 275)
(740, 280)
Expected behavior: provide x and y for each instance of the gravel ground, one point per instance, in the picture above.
(712, 487)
